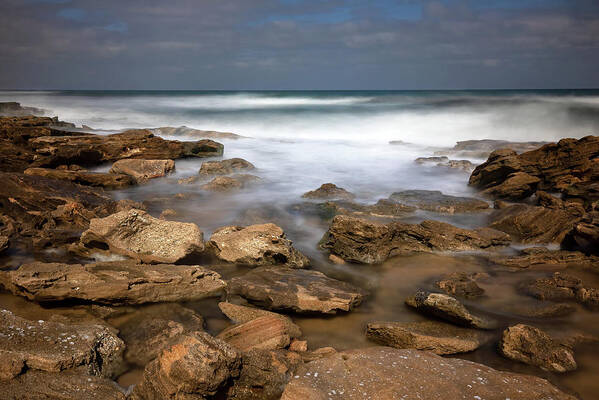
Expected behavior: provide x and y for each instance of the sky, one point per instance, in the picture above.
(298, 44)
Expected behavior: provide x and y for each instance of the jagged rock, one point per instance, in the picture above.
(231, 183)
(358, 240)
(196, 366)
(517, 186)
(143, 170)
(196, 133)
(38, 385)
(138, 235)
(386, 373)
(434, 200)
(532, 346)
(585, 234)
(460, 284)
(329, 191)
(438, 337)
(297, 290)
(119, 282)
(14, 109)
(264, 374)
(563, 287)
(449, 309)
(241, 314)
(255, 245)
(109, 181)
(54, 347)
(533, 256)
(263, 333)
(225, 167)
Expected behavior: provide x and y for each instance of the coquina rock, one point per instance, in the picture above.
(108, 181)
(385, 373)
(138, 235)
(225, 167)
(143, 170)
(362, 241)
(255, 245)
(117, 282)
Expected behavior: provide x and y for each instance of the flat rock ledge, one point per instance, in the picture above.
(297, 290)
(362, 241)
(119, 282)
(107, 181)
(385, 373)
(143, 170)
(438, 337)
(434, 200)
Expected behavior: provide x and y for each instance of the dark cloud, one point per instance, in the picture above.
(298, 44)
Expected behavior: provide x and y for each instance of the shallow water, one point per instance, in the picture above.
(299, 141)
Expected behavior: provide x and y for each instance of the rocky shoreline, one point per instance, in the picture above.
(134, 273)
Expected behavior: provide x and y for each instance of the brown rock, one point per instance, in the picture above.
(362, 241)
(4, 243)
(551, 310)
(460, 284)
(434, 200)
(262, 333)
(231, 183)
(534, 256)
(463, 165)
(108, 181)
(437, 159)
(138, 235)
(194, 133)
(517, 186)
(255, 245)
(225, 167)
(14, 109)
(119, 282)
(194, 367)
(438, 337)
(297, 290)
(585, 235)
(558, 287)
(385, 373)
(242, 314)
(533, 346)
(383, 208)
(329, 191)
(143, 170)
(298, 346)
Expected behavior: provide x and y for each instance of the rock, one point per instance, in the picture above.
(434, 200)
(112, 283)
(38, 385)
(231, 183)
(329, 191)
(551, 310)
(196, 366)
(54, 347)
(262, 333)
(517, 186)
(4, 243)
(532, 346)
(143, 170)
(424, 160)
(242, 314)
(534, 256)
(361, 241)
(336, 260)
(298, 346)
(585, 234)
(383, 208)
(98, 179)
(460, 284)
(225, 167)
(168, 214)
(189, 180)
(138, 235)
(438, 337)
(491, 145)
(264, 374)
(385, 373)
(196, 133)
(463, 165)
(449, 309)
(399, 142)
(296, 290)
(14, 109)
(563, 287)
(255, 245)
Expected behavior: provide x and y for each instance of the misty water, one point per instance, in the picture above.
(300, 140)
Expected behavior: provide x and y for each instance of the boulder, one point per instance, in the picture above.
(231, 183)
(241, 314)
(329, 191)
(143, 170)
(541, 256)
(384, 208)
(563, 287)
(434, 200)
(460, 284)
(297, 290)
(585, 234)
(448, 308)
(517, 186)
(108, 181)
(362, 241)
(225, 167)
(112, 283)
(385, 373)
(438, 337)
(255, 245)
(138, 235)
(532, 346)
(195, 366)
(463, 165)
(54, 347)
(262, 333)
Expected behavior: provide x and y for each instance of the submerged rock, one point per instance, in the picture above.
(241, 314)
(4, 243)
(449, 309)
(386, 373)
(329, 191)
(296, 290)
(108, 181)
(231, 183)
(384, 208)
(362, 241)
(534, 256)
(563, 287)
(112, 283)
(143, 170)
(438, 337)
(262, 333)
(532, 346)
(434, 200)
(138, 235)
(436, 159)
(225, 167)
(255, 245)
(460, 284)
